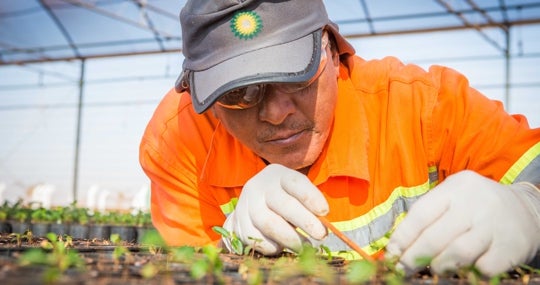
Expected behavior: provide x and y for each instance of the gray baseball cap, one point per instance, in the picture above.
(229, 44)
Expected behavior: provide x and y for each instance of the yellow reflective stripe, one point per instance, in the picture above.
(382, 208)
(352, 255)
(374, 247)
(228, 207)
(521, 164)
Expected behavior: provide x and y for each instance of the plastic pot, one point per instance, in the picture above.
(99, 231)
(60, 229)
(126, 233)
(79, 231)
(40, 229)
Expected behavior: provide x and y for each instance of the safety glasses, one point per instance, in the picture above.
(249, 96)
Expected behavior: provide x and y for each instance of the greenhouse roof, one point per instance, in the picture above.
(33, 31)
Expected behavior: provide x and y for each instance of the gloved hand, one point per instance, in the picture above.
(271, 205)
(470, 220)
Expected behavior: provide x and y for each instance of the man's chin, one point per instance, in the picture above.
(301, 166)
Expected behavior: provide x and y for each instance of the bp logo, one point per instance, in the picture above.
(246, 25)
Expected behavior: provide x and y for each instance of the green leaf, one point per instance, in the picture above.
(52, 237)
(33, 256)
(327, 251)
(423, 261)
(183, 254)
(119, 251)
(222, 231)
(248, 249)
(51, 275)
(199, 269)
(211, 252)
(393, 279)
(115, 238)
(152, 237)
(237, 246)
(361, 271)
(149, 270)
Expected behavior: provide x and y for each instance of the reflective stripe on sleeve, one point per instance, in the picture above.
(533, 154)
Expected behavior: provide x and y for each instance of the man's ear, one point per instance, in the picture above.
(335, 58)
(334, 51)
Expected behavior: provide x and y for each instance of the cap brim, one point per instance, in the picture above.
(294, 61)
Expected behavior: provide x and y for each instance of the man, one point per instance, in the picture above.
(275, 122)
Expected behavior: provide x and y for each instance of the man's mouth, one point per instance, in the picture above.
(285, 137)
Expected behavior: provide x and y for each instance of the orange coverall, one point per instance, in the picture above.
(398, 131)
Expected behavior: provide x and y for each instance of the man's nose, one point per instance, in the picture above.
(276, 106)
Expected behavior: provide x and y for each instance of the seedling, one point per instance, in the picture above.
(210, 265)
(4, 211)
(120, 250)
(307, 264)
(143, 219)
(236, 243)
(53, 254)
(41, 215)
(80, 215)
(153, 242)
(237, 246)
(360, 271)
(19, 238)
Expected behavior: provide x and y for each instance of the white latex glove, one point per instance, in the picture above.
(271, 205)
(470, 220)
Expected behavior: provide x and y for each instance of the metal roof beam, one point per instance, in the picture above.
(41, 60)
(368, 17)
(486, 15)
(149, 23)
(93, 8)
(465, 22)
(440, 29)
(437, 14)
(61, 27)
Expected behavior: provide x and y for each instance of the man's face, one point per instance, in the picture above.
(288, 128)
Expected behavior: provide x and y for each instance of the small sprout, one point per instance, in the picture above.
(361, 271)
(423, 261)
(53, 254)
(183, 254)
(153, 241)
(199, 269)
(326, 250)
(115, 239)
(251, 272)
(236, 243)
(209, 266)
(119, 250)
(238, 246)
(149, 270)
(33, 256)
(16, 237)
(222, 231)
(249, 248)
(152, 237)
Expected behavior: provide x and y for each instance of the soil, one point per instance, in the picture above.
(146, 265)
